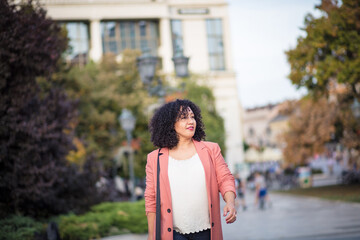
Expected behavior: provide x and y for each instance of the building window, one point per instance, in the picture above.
(215, 44)
(177, 37)
(78, 34)
(251, 132)
(120, 35)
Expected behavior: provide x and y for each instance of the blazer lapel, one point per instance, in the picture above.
(164, 163)
(204, 157)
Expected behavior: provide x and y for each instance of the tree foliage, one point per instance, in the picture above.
(36, 126)
(347, 126)
(311, 125)
(326, 62)
(103, 90)
(330, 50)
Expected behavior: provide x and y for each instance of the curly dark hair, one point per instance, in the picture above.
(162, 123)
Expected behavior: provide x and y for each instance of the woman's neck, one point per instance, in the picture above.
(185, 149)
(184, 144)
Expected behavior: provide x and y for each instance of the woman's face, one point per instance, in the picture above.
(185, 126)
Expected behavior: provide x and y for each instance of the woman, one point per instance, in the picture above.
(261, 195)
(192, 173)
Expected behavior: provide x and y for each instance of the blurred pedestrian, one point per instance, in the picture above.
(240, 189)
(330, 164)
(139, 192)
(120, 184)
(192, 173)
(261, 194)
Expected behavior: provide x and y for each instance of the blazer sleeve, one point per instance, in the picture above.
(150, 195)
(225, 180)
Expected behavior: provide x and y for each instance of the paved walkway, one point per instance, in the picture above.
(290, 218)
(297, 218)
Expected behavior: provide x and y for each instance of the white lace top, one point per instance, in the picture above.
(189, 196)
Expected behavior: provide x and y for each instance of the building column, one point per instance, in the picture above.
(165, 50)
(95, 40)
(228, 106)
(235, 151)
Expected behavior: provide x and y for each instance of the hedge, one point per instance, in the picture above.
(19, 228)
(105, 219)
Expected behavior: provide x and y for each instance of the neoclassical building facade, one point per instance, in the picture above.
(197, 28)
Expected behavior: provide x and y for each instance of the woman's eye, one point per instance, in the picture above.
(186, 117)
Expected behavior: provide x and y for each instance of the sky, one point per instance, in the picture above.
(261, 32)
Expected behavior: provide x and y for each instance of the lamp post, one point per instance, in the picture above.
(147, 67)
(181, 64)
(127, 122)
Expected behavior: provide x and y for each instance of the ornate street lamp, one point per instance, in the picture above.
(147, 66)
(181, 64)
(127, 122)
(355, 107)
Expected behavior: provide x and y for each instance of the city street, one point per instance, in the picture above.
(295, 218)
(90, 89)
(290, 218)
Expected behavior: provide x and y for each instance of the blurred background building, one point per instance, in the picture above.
(199, 29)
(257, 131)
(263, 128)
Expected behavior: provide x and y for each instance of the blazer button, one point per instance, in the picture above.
(169, 211)
(212, 224)
(169, 229)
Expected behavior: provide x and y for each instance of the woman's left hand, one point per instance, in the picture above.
(230, 211)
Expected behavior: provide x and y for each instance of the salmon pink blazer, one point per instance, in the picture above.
(218, 179)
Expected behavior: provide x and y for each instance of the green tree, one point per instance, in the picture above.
(329, 53)
(102, 91)
(36, 125)
(327, 63)
(311, 125)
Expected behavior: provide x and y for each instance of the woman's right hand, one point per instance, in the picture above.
(151, 216)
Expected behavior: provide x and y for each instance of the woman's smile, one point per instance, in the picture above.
(191, 128)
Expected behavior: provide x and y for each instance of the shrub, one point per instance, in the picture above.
(19, 228)
(105, 219)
